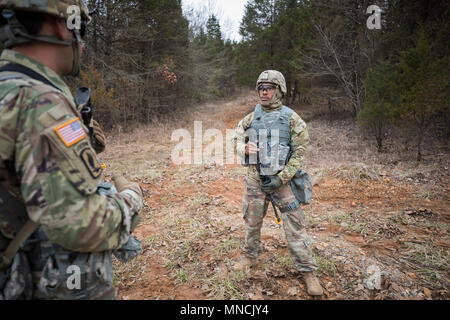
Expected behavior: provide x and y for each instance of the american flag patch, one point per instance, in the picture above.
(71, 132)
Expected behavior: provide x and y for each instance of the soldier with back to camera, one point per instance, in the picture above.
(55, 222)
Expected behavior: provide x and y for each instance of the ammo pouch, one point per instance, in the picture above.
(15, 272)
(301, 186)
(70, 275)
(16, 282)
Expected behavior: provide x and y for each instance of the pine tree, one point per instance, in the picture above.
(272, 31)
(424, 85)
(382, 103)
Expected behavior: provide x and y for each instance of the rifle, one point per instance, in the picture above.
(83, 101)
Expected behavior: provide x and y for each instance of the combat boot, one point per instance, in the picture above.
(312, 284)
(243, 263)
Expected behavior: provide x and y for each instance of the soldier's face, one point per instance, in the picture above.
(266, 91)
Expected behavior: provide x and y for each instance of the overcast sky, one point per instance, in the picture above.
(229, 12)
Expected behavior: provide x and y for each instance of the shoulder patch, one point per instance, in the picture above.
(91, 162)
(71, 132)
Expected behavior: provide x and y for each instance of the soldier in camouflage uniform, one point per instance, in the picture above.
(271, 113)
(48, 163)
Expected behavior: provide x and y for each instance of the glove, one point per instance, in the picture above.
(123, 184)
(99, 137)
(271, 185)
(129, 251)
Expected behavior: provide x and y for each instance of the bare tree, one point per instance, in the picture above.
(343, 48)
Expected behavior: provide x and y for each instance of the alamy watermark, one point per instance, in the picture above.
(191, 150)
(74, 280)
(74, 18)
(212, 146)
(374, 21)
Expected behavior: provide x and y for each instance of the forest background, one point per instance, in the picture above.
(148, 61)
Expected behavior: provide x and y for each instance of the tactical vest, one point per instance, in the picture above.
(271, 161)
(274, 139)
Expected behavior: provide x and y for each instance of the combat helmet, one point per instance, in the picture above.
(74, 12)
(57, 8)
(14, 33)
(275, 77)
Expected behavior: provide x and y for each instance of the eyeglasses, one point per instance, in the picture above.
(265, 87)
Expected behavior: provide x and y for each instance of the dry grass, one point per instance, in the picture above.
(229, 288)
(357, 172)
(432, 263)
(350, 173)
(325, 264)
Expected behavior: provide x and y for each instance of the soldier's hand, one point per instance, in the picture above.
(272, 185)
(122, 184)
(99, 137)
(251, 148)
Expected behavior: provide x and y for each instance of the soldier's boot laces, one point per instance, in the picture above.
(312, 284)
(244, 263)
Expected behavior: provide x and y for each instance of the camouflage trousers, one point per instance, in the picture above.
(256, 203)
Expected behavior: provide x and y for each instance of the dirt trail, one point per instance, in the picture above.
(363, 218)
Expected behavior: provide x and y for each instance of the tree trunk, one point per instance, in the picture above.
(295, 92)
(379, 137)
(419, 148)
(330, 110)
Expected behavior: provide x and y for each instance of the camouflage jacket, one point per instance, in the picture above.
(299, 140)
(47, 161)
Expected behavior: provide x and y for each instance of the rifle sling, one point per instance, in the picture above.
(15, 214)
(14, 67)
(14, 246)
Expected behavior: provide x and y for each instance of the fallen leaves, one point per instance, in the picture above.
(427, 292)
(293, 291)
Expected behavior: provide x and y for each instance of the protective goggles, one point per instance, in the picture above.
(267, 87)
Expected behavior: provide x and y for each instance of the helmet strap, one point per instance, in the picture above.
(75, 45)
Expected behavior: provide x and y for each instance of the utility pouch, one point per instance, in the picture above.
(302, 187)
(16, 282)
